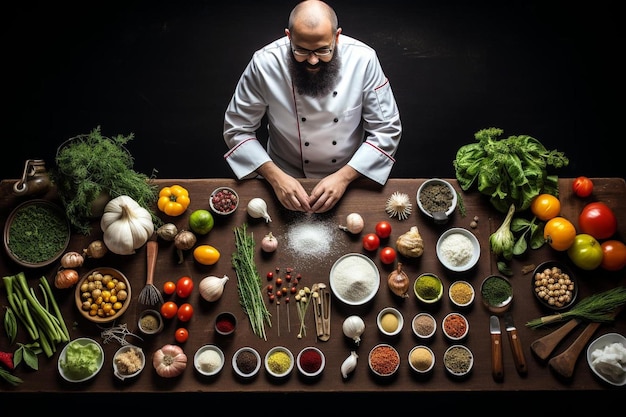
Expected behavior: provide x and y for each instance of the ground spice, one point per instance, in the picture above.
(461, 292)
(428, 287)
(354, 278)
(457, 249)
(496, 290)
(310, 361)
(224, 325)
(455, 325)
(421, 358)
(424, 325)
(149, 322)
(457, 359)
(384, 359)
(436, 198)
(246, 361)
(279, 362)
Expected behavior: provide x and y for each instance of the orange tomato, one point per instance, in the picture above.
(169, 287)
(614, 257)
(169, 309)
(545, 206)
(559, 233)
(206, 254)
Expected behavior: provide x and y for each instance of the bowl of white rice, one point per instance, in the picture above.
(354, 279)
(458, 249)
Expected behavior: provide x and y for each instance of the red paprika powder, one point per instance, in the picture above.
(310, 360)
(225, 323)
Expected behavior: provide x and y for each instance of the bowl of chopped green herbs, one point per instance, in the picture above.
(36, 233)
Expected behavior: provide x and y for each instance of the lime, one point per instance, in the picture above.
(201, 221)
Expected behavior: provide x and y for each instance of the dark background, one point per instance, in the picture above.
(165, 70)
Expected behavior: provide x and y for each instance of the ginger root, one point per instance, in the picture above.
(410, 244)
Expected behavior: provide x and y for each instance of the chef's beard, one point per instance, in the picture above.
(315, 84)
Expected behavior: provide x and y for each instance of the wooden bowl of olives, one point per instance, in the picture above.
(103, 294)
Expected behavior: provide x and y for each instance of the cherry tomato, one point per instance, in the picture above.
(169, 309)
(614, 255)
(585, 252)
(559, 233)
(371, 241)
(206, 254)
(582, 186)
(545, 206)
(169, 287)
(383, 229)
(185, 311)
(184, 287)
(181, 335)
(387, 255)
(598, 220)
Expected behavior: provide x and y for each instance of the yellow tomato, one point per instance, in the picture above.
(545, 206)
(560, 233)
(206, 254)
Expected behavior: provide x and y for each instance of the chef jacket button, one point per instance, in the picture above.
(306, 161)
(334, 142)
(306, 143)
(334, 93)
(303, 119)
(335, 120)
(334, 160)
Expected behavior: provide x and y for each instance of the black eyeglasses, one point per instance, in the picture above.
(318, 52)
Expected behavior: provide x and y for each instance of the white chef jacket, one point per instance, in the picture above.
(357, 123)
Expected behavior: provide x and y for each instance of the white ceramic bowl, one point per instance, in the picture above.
(354, 279)
(608, 357)
(458, 249)
(224, 201)
(460, 331)
(128, 362)
(271, 362)
(443, 202)
(388, 364)
(418, 329)
(83, 342)
(208, 360)
(314, 369)
(458, 360)
(461, 294)
(390, 321)
(252, 364)
(421, 359)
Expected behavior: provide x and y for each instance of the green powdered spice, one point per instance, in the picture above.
(496, 290)
(428, 287)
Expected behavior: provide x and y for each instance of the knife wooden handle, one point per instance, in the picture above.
(497, 368)
(518, 352)
(565, 362)
(545, 345)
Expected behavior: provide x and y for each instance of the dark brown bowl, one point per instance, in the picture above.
(540, 288)
(35, 236)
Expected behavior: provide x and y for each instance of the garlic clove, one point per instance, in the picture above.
(353, 327)
(349, 364)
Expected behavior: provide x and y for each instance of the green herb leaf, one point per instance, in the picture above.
(504, 268)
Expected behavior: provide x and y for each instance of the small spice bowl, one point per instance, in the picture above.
(437, 199)
(458, 249)
(208, 360)
(421, 359)
(428, 288)
(279, 361)
(458, 360)
(461, 294)
(246, 362)
(150, 322)
(497, 293)
(225, 323)
(224, 201)
(311, 361)
(128, 362)
(383, 360)
(424, 325)
(455, 326)
(390, 321)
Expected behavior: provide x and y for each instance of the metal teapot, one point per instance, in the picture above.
(35, 179)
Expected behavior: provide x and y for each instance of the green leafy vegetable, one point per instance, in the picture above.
(510, 171)
(502, 240)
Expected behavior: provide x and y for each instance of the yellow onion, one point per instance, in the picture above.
(398, 282)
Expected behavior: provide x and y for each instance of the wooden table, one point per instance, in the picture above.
(368, 200)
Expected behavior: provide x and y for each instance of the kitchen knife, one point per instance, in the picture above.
(516, 345)
(497, 369)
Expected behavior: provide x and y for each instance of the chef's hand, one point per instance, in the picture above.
(288, 190)
(331, 188)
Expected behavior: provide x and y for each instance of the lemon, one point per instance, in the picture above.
(201, 221)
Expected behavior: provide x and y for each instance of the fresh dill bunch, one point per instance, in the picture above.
(91, 165)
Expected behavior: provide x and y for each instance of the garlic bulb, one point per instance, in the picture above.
(354, 223)
(126, 225)
(353, 328)
(399, 205)
(349, 364)
(167, 232)
(398, 282)
(72, 260)
(212, 287)
(269, 243)
(257, 208)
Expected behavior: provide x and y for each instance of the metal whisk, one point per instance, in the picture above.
(150, 295)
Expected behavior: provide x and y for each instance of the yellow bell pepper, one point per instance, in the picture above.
(173, 200)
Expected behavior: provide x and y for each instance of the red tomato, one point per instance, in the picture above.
(169, 309)
(181, 335)
(614, 257)
(185, 311)
(169, 287)
(371, 241)
(586, 252)
(582, 186)
(598, 220)
(184, 287)
(383, 229)
(387, 255)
